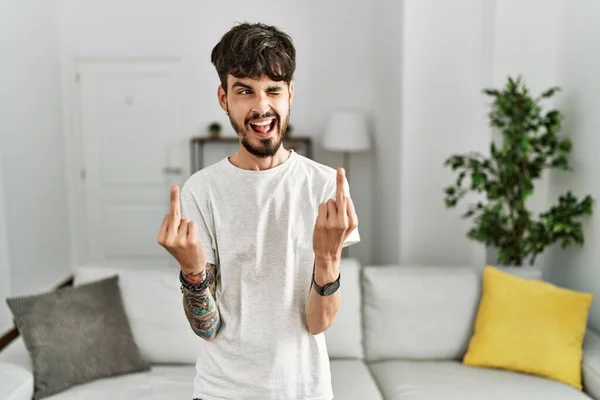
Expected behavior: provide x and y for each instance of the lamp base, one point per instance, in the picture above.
(346, 165)
(346, 162)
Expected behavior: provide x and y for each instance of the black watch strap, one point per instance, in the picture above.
(193, 287)
(329, 288)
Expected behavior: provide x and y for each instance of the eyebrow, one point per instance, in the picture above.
(240, 84)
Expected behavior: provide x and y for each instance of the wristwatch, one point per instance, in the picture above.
(329, 288)
(193, 287)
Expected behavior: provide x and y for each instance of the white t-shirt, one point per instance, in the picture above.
(257, 228)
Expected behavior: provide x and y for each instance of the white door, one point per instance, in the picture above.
(129, 122)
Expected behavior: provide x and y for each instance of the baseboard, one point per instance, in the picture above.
(13, 333)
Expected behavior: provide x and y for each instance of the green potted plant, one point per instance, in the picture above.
(504, 180)
(214, 130)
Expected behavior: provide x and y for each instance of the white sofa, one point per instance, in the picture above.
(400, 334)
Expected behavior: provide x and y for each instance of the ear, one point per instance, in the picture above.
(222, 96)
(291, 90)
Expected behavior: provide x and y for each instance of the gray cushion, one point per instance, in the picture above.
(451, 380)
(76, 335)
(418, 312)
(351, 380)
(344, 336)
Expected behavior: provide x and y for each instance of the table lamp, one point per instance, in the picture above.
(347, 132)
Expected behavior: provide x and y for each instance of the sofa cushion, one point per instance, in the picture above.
(16, 382)
(442, 380)
(591, 363)
(351, 380)
(153, 303)
(160, 383)
(527, 325)
(76, 335)
(344, 337)
(420, 313)
(16, 353)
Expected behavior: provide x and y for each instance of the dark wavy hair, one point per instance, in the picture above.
(253, 50)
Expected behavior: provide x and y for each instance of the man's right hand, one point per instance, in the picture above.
(180, 238)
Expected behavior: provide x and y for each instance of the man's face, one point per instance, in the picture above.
(259, 111)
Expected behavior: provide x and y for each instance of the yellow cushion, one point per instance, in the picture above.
(529, 326)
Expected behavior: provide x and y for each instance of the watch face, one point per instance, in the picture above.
(330, 289)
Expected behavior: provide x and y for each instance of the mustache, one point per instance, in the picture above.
(257, 116)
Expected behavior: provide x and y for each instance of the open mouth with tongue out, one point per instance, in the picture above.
(264, 127)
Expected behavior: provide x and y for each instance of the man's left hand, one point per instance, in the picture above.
(335, 221)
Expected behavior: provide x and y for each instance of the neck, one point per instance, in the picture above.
(245, 160)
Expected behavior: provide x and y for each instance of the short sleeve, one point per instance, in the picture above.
(201, 215)
(354, 236)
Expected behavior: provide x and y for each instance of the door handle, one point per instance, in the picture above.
(173, 170)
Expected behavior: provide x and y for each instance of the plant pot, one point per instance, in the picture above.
(524, 271)
(214, 134)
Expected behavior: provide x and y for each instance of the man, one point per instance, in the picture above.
(259, 237)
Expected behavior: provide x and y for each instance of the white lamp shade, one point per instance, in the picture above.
(347, 131)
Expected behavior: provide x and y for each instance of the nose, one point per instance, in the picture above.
(261, 105)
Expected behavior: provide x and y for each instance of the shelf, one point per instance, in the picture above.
(300, 144)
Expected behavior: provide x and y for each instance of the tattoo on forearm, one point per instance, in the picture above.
(201, 309)
(195, 278)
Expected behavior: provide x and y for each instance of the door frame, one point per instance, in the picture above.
(74, 147)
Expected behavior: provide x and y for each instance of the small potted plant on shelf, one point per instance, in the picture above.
(214, 130)
(529, 145)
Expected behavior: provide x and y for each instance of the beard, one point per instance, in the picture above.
(269, 146)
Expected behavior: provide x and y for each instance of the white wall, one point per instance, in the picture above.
(328, 75)
(444, 70)
(387, 114)
(449, 52)
(521, 47)
(32, 145)
(5, 314)
(577, 73)
(340, 76)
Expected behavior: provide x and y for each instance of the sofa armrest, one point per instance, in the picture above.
(591, 364)
(16, 383)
